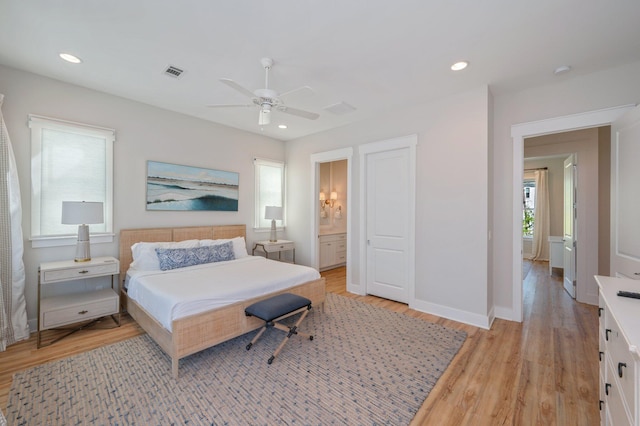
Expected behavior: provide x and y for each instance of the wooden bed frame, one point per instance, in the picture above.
(200, 331)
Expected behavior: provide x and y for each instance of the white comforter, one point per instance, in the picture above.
(173, 294)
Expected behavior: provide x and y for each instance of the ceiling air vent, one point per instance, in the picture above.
(340, 108)
(172, 71)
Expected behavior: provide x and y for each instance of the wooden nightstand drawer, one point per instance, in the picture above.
(68, 309)
(66, 271)
(276, 247)
(78, 273)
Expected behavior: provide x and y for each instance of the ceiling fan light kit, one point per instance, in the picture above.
(266, 99)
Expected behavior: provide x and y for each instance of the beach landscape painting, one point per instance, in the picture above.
(176, 187)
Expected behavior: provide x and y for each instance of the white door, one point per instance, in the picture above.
(625, 197)
(569, 237)
(388, 204)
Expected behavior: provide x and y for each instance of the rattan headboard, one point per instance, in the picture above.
(129, 237)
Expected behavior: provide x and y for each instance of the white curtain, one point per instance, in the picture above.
(13, 307)
(541, 217)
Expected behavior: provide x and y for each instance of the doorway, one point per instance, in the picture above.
(329, 212)
(546, 127)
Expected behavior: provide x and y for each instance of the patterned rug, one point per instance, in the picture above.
(366, 365)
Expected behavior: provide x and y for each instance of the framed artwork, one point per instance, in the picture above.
(176, 187)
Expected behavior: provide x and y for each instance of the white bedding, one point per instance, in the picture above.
(177, 293)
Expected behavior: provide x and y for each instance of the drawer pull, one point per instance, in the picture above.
(600, 355)
(606, 388)
(83, 312)
(601, 404)
(606, 334)
(84, 271)
(620, 365)
(600, 311)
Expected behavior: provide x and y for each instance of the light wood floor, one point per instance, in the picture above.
(541, 371)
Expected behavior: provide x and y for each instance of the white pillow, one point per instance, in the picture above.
(145, 257)
(239, 245)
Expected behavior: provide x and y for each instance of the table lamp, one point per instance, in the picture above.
(274, 213)
(82, 213)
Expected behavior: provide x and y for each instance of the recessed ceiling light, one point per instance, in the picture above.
(459, 65)
(70, 58)
(562, 69)
(282, 126)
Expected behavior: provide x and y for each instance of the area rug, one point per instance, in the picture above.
(365, 365)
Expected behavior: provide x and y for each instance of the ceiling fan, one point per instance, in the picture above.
(267, 99)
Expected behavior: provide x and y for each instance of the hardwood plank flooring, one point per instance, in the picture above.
(541, 371)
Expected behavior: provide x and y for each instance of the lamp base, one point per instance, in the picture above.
(83, 247)
(273, 237)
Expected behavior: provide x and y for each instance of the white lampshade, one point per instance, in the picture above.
(82, 212)
(322, 196)
(273, 212)
(334, 195)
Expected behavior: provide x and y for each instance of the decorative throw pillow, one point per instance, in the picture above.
(222, 252)
(174, 258)
(145, 257)
(239, 245)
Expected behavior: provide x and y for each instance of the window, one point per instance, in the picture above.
(528, 204)
(69, 162)
(269, 189)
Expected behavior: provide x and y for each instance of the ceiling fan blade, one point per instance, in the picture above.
(304, 89)
(237, 87)
(298, 112)
(230, 106)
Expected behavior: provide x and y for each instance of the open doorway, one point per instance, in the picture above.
(545, 226)
(589, 120)
(331, 202)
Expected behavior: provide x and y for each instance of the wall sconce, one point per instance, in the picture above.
(333, 198)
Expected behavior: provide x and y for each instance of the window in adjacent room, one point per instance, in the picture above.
(69, 162)
(529, 204)
(269, 176)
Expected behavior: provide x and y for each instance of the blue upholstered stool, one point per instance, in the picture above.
(277, 308)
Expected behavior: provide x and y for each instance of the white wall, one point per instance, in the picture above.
(451, 198)
(610, 88)
(143, 133)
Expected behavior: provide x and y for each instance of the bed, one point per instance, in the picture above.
(196, 332)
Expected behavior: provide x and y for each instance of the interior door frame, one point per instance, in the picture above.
(519, 132)
(316, 159)
(405, 142)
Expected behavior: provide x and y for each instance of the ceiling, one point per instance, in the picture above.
(374, 55)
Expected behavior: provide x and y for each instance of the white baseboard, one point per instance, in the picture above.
(477, 320)
(504, 313)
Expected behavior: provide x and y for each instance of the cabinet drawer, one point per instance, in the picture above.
(615, 405)
(273, 248)
(68, 309)
(622, 362)
(79, 272)
(341, 257)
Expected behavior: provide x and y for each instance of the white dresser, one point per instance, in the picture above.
(619, 352)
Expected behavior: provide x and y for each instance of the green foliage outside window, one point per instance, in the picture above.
(527, 223)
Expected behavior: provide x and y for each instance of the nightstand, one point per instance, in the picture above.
(58, 311)
(279, 246)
